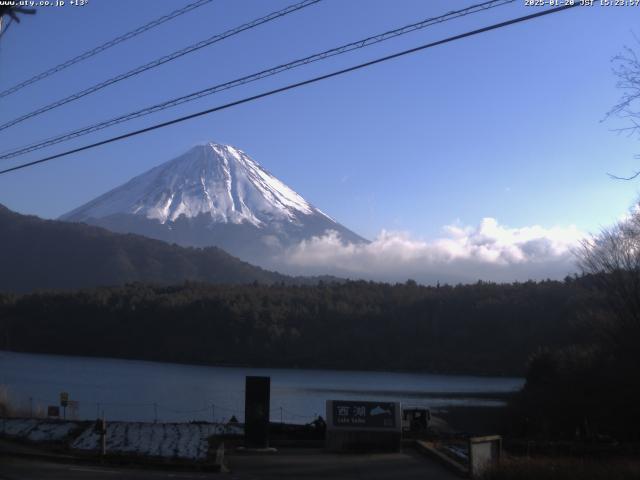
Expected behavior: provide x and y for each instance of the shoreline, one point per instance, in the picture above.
(268, 367)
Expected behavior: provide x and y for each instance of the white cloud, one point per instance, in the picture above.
(489, 251)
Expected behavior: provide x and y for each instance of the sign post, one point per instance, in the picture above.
(362, 425)
(53, 411)
(100, 428)
(64, 401)
(74, 408)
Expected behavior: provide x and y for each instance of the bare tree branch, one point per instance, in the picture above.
(613, 259)
(626, 67)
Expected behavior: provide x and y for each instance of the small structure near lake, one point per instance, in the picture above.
(484, 452)
(256, 411)
(363, 426)
(415, 419)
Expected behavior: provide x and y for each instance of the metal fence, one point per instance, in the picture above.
(78, 409)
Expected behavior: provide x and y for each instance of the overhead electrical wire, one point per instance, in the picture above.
(162, 60)
(295, 85)
(105, 46)
(366, 42)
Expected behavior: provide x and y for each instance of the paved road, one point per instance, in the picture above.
(287, 463)
(316, 464)
(25, 469)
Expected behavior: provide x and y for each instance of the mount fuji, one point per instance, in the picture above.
(213, 195)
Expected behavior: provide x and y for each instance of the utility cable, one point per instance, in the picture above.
(161, 61)
(105, 46)
(363, 43)
(294, 85)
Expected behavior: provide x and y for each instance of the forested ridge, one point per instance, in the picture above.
(50, 254)
(483, 328)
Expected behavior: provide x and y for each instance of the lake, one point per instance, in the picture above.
(146, 391)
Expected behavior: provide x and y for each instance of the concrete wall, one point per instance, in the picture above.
(483, 453)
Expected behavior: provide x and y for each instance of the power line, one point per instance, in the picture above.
(255, 76)
(294, 85)
(162, 60)
(105, 46)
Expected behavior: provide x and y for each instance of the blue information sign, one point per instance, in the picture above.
(353, 413)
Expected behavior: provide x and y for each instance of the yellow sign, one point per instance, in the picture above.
(64, 398)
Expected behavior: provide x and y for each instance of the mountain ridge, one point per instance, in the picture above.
(51, 254)
(212, 195)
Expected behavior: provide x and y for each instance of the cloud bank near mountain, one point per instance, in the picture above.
(489, 251)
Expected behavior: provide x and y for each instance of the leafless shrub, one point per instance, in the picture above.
(626, 68)
(612, 258)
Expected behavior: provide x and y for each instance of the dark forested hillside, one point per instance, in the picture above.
(481, 328)
(49, 254)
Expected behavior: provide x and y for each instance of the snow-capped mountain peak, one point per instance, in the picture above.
(213, 195)
(213, 179)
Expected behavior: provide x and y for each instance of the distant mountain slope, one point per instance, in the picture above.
(50, 254)
(213, 195)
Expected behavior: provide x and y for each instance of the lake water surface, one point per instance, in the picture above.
(145, 391)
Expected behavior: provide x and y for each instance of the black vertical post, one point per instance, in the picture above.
(256, 411)
(103, 435)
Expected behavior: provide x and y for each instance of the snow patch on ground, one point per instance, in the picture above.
(47, 432)
(36, 430)
(169, 440)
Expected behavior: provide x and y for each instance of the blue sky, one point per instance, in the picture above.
(504, 125)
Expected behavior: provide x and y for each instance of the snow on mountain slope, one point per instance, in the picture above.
(212, 195)
(213, 179)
